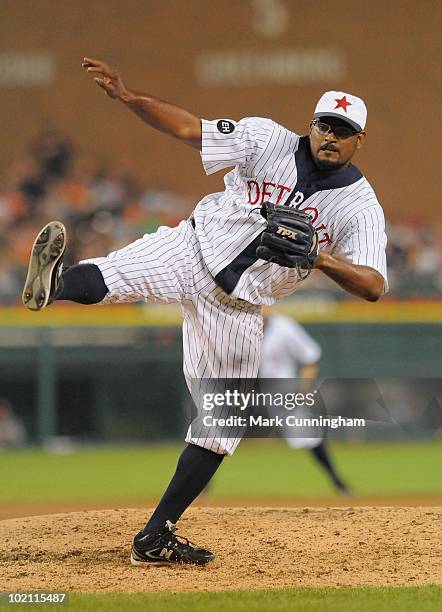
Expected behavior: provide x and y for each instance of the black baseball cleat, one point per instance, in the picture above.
(43, 282)
(162, 547)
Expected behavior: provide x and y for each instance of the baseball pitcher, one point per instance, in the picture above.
(291, 204)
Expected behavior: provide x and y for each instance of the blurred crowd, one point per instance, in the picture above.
(105, 210)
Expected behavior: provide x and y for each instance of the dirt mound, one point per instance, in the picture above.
(15, 509)
(255, 548)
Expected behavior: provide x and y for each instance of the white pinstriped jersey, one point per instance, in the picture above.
(285, 346)
(272, 163)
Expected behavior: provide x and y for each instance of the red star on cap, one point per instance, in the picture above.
(342, 103)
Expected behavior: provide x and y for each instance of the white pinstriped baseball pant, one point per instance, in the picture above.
(221, 336)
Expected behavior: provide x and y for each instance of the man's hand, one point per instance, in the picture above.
(107, 78)
(157, 113)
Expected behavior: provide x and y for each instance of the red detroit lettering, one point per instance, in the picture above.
(324, 237)
(258, 193)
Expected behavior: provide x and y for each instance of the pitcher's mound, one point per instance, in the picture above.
(255, 548)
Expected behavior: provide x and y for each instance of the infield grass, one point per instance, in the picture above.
(258, 469)
(339, 599)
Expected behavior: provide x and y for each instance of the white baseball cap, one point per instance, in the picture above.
(343, 105)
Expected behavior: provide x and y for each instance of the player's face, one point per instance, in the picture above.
(331, 151)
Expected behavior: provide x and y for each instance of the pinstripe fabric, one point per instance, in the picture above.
(229, 337)
(155, 268)
(221, 335)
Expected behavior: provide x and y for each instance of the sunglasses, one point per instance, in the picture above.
(340, 131)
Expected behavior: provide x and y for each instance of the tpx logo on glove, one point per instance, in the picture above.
(289, 238)
(286, 233)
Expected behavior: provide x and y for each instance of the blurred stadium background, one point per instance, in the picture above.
(75, 376)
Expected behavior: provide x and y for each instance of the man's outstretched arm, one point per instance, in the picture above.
(363, 281)
(161, 115)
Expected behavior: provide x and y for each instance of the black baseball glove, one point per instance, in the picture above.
(289, 239)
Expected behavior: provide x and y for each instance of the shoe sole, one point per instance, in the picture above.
(156, 563)
(138, 563)
(47, 250)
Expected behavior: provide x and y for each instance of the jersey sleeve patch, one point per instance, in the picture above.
(225, 126)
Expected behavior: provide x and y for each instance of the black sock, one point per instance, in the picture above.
(83, 283)
(320, 452)
(195, 468)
